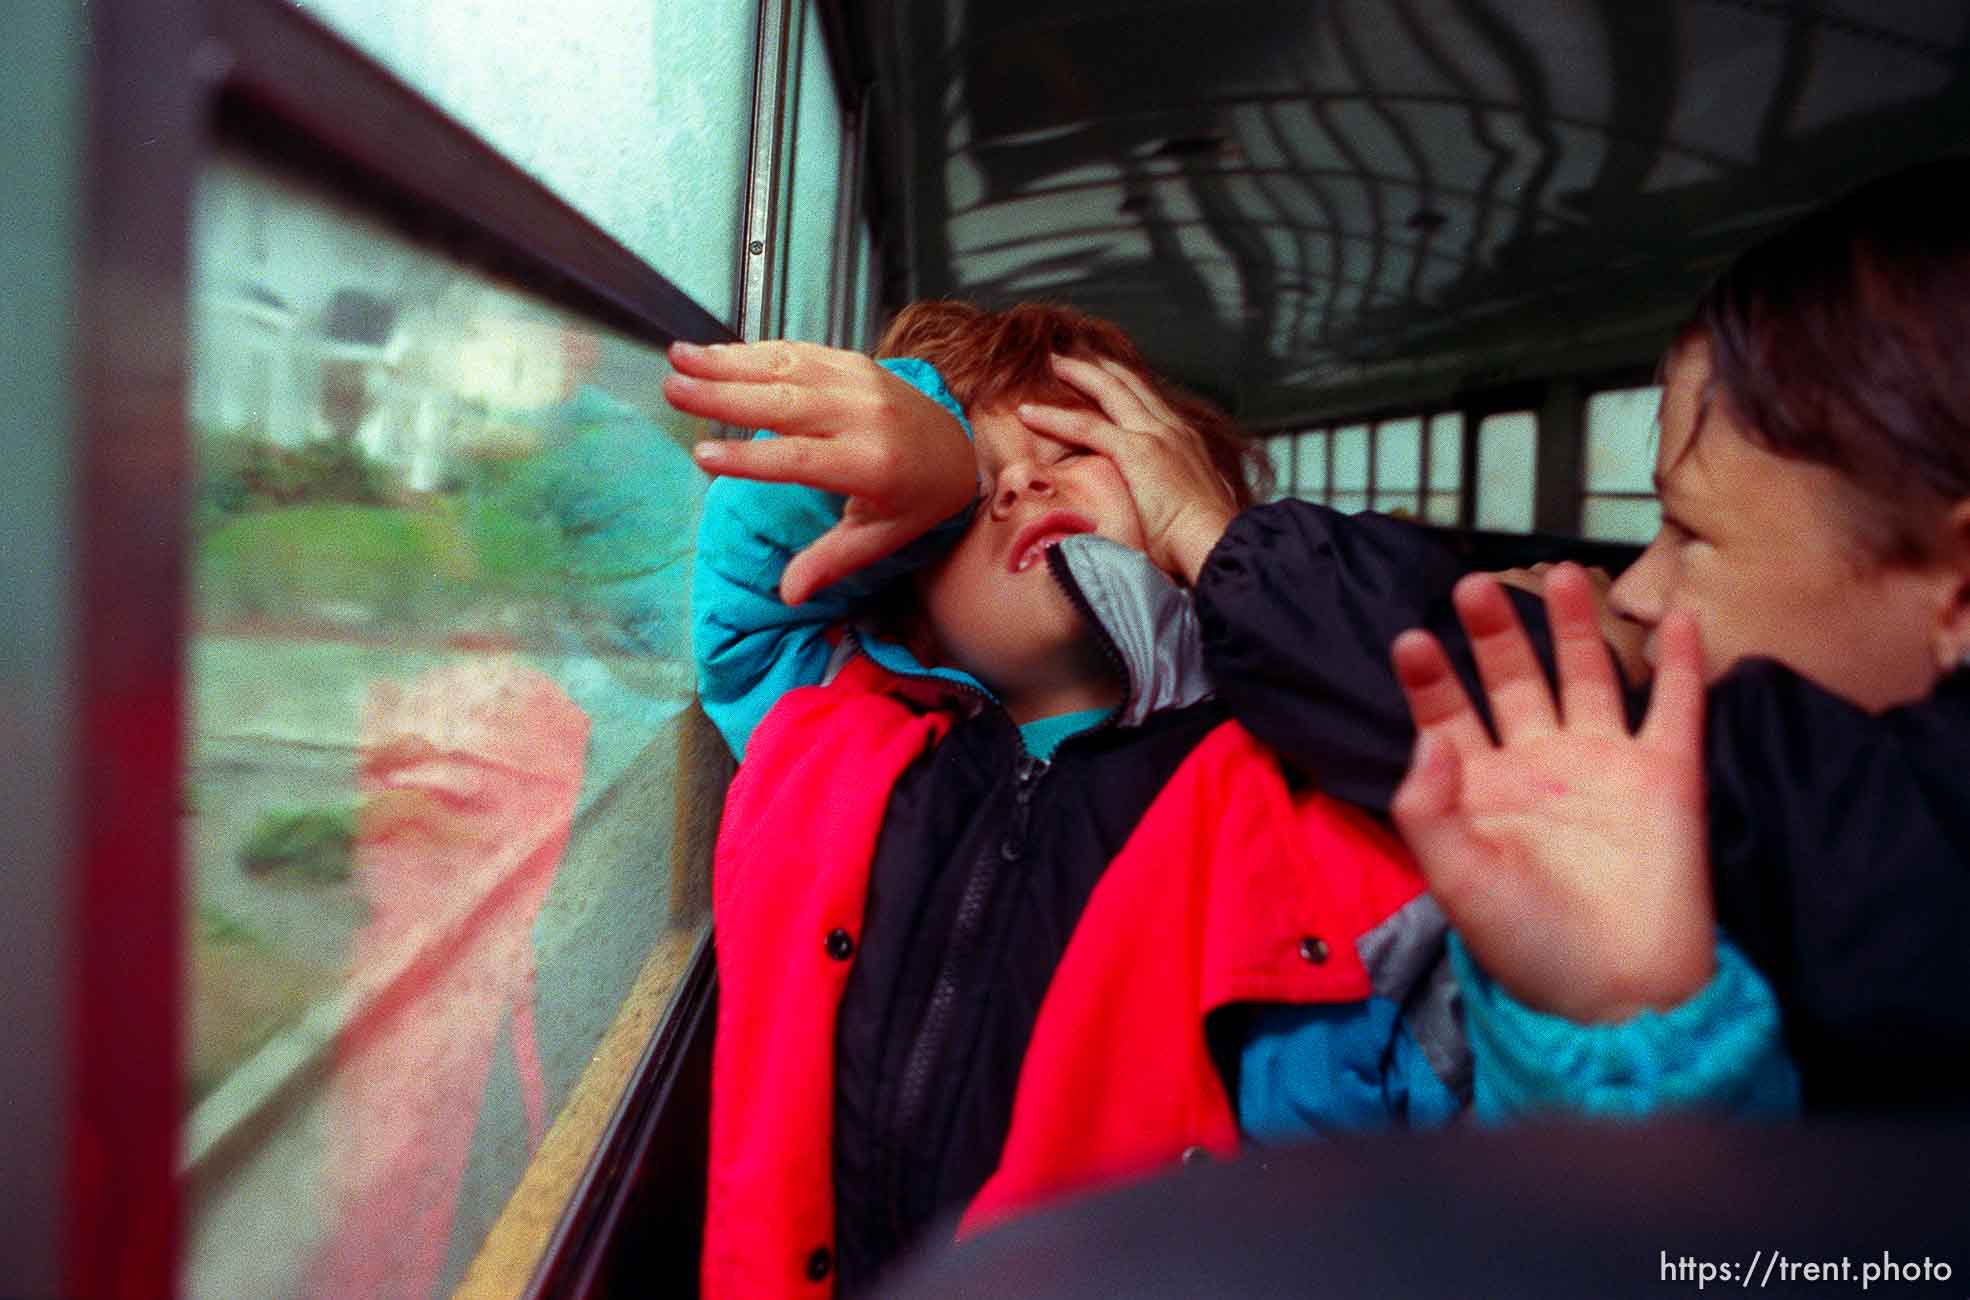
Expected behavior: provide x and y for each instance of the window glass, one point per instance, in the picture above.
(1441, 508)
(1620, 519)
(1507, 445)
(862, 314)
(1621, 440)
(638, 114)
(1398, 451)
(1279, 453)
(440, 727)
(1310, 466)
(1351, 458)
(1446, 451)
(1350, 502)
(814, 154)
(1399, 455)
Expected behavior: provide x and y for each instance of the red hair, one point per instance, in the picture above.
(994, 359)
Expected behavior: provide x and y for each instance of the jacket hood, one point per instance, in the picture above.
(1149, 620)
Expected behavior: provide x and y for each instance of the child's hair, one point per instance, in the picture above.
(1841, 341)
(993, 359)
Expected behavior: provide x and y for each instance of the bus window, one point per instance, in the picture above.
(1505, 461)
(1279, 455)
(446, 793)
(862, 304)
(1399, 466)
(1444, 501)
(634, 113)
(813, 161)
(1348, 489)
(439, 685)
(1311, 452)
(1619, 503)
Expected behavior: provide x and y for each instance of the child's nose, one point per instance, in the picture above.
(1024, 479)
(1639, 593)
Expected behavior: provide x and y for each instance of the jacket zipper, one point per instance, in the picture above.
(913, 1096)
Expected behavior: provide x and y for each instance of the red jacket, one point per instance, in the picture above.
(1232, 888)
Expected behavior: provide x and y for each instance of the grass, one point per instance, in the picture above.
(396, 562)
(316, 845)
(218, 926)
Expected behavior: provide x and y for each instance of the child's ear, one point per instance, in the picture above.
(1952, 636)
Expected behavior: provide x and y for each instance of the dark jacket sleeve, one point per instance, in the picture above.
(1840, 846)
(1298, 605)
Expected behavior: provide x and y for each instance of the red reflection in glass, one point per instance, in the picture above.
(469, 778)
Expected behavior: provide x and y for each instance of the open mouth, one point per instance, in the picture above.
(1048, 530)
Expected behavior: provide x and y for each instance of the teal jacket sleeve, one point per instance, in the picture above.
(749, 647)
(1310, 1071)
(1719, 1051)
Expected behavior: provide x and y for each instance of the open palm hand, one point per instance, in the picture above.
(1570, 854)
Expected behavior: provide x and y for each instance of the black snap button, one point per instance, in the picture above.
(1196, 1155)
(841, 945)
(820, 1264)
(1313, 948)
(1009, 848)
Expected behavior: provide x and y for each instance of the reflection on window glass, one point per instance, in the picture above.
(815, 156)
(1505, 451)
(438, 691)
(1351, 458)
(1310, 461)
(1621, 440)
(633, 112)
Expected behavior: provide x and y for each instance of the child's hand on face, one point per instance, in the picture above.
(846, 425)
(1182, 500)
(1570, 855)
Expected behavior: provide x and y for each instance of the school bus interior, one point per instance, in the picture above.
(360, 923)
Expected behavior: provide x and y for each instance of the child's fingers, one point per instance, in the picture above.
(1589, 698)
(1521, 701)
(1115, 398)
(1075, 424)
(1437, 702)
(822, 463)
(781, 406)
(774, 359)
(1675, 715)
(1428, 812)
(849, 547)
(1144, 391)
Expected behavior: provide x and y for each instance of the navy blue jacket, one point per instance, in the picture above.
(1840, 841)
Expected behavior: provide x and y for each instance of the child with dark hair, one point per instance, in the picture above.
(1012, 905)
(1814, 473)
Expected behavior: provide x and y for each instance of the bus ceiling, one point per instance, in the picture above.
(1308, 208)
